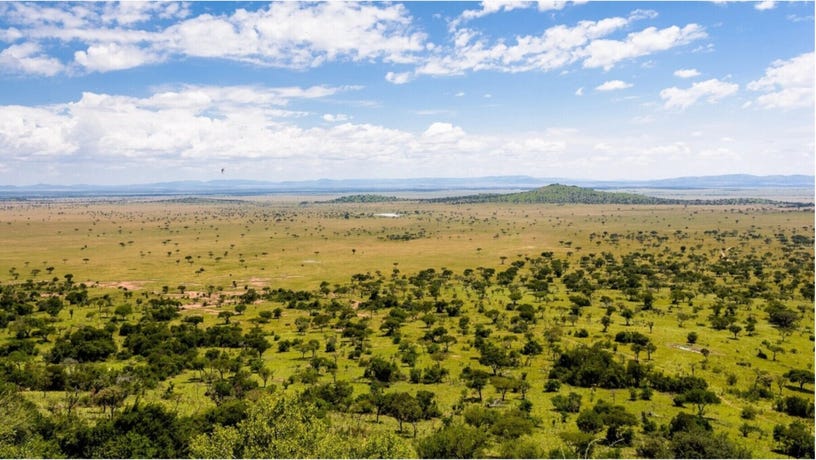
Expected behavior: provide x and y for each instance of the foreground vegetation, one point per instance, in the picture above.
(270, 329)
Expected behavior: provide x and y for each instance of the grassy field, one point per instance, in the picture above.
(205, 252)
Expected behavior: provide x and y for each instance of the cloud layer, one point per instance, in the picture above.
(294, 35)
(498, 87)
(284, 34)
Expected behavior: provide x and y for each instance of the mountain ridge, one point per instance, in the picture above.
(243, 186)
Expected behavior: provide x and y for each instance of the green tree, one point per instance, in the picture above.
(735, 329)
(606, 321)
(504, 384)
(275, 427)
(496, 357)
(800, 376)
(85, 344)
(700, 398)
(403, 407)
(453, 441)
(302, 324)
(795, 439)
(475, 379)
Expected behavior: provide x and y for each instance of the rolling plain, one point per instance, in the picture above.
(486, 306)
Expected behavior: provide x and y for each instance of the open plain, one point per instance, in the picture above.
(485, 306)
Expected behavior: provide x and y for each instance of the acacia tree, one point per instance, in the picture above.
(475, 379)
(700, 398)
(800, 376)
(403, 407)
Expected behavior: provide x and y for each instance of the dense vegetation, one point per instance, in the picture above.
(365, 198)
(570, 194)
(626, 339)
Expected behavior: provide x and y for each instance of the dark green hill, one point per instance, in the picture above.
(569, 194)
(560, 194)
(364, 199)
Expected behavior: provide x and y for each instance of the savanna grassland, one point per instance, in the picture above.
(216, 327)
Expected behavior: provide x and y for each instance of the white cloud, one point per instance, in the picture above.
(579, 91)
(613, 85)
(488, 7)
(686, 73)
(712, 90)
(290, 34)
(787, 83)
(104, 58)
(557, 47)
(132, 12)
(10, 35)
(765, 5)
(193, 126)
(398, 78)
(29, 58)
(184, 131)
(443, 131)
(606, 53)
(284, 34)
(34, 131)
(336, 118)
(294, 35)
(494, 6)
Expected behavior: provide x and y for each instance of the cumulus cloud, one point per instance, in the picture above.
(488, 7)
(712, 90)
(613, 85)
(194, 125)
(284, 34)
(398, 78)
(34, 131)
(494, 6)
(111, 56)
(28, 58)
(606, 53)
(293, 35)
(557, 47)
(686, 73)
(786, 83)
(128, 13)
(765, 5)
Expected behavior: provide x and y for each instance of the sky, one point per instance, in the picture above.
(141, 92)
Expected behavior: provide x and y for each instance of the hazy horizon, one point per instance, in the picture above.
(143, 92)
(481, 182)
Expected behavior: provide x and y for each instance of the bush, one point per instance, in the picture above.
(631, 337)
(795, 406)
(552, 386)
(453, 441)
(84, 345)
(691, 338)
(589, 366)
(795, 439)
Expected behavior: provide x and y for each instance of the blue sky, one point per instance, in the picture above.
(134, 92)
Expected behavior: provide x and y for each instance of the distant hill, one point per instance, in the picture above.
(364, 199)
(571, 194)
